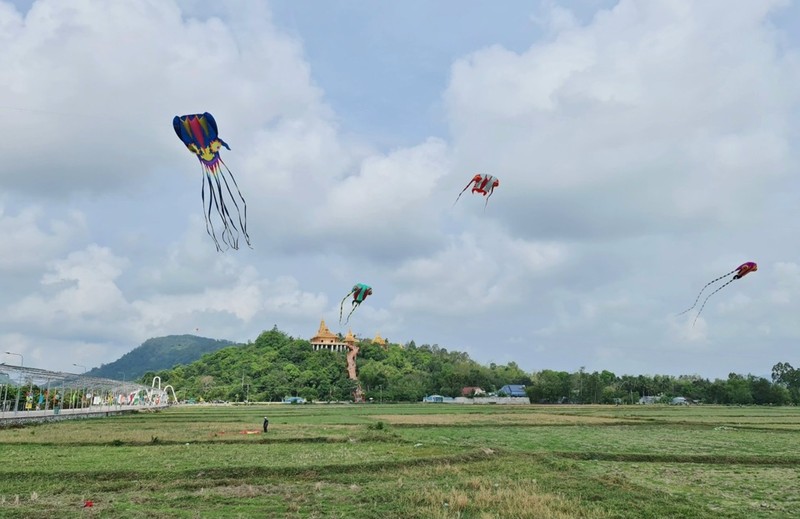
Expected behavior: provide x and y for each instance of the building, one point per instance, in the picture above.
(350, 340)
(327, 340)
(437, 399)
(380, 341)
(513, 390)
(472, 391)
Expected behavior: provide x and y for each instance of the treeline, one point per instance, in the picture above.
(276, 366)
(605, 387)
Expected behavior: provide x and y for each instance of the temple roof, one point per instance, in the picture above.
(349, 337)
(323, 333)
(378, 339)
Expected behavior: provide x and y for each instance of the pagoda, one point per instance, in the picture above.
(350, 339)
(380, 341)
(327, 340)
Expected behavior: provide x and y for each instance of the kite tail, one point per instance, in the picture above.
(487, 199)
(341, 306)
(709, 295)
(230, 233)
(351, 313)
(701, 292)
(462, 192)
(242, 222)
(227, 235)
(211, 200)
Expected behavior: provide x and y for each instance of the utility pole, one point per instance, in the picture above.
(83, 391)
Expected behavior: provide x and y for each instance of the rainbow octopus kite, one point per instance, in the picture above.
(740, 272)
(199, 133)
(483, 184)
(359, 293)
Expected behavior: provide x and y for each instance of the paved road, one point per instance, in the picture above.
(10, 417)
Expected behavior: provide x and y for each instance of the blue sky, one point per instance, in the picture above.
(384, 65)
(643, 147)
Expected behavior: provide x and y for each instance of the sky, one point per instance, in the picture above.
(643, 148)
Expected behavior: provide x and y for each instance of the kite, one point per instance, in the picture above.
(739, 272)
(483, 184)
(199, 133)
(359, 293)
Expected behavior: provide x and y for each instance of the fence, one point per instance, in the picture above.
(32, 394)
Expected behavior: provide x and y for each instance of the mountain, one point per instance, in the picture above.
(157, 354)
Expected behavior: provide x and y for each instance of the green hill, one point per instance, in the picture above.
(157, 354)
(277, 365)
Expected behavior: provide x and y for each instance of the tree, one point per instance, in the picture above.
(276, 365)
(785, 375)
(548, 386)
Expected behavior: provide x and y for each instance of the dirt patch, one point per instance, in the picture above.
(497, 419)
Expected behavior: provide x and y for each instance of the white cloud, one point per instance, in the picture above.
(787, 284)
(633, 120)
(80, 296)
(30, 237)
(91, 88)
(387, 204)
(640, 154)
(474, 273)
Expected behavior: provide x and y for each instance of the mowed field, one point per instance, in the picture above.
(409, 461)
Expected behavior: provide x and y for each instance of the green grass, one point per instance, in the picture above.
(416, 461)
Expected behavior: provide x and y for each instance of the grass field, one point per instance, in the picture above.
(409, 461)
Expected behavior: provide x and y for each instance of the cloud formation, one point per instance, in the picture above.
(642, 149)
(625, 125)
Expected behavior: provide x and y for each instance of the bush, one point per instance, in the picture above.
(377, 426)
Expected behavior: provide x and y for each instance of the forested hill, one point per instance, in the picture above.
(277, 365)
(159, 353)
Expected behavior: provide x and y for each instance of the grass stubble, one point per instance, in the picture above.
(415, 461)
